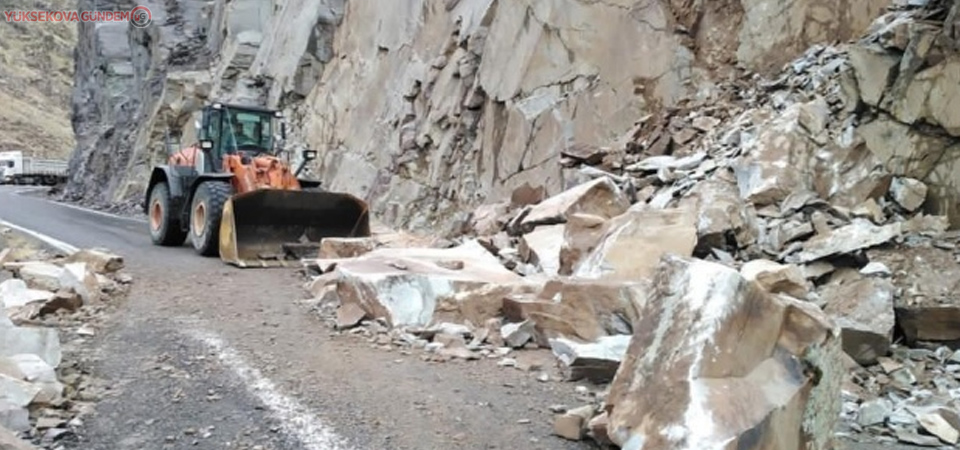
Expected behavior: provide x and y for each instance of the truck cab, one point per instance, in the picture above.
(11, 163)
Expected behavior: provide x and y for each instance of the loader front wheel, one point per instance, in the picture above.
(165, 226)
(206, 211)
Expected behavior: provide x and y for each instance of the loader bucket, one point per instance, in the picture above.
(269, 227)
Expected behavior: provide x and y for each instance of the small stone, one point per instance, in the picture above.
(572, 424)
(870, 209)
(516, 335)
(814, 116)
(942, 423)
(888, 364)
(99, 260)
(874, 412)
(911, 437)
(349, 315)
(597, 361)
(507, 362)
(599, 429)
(859, 234)
(875, 268)
(433, 346)
(908, 193)
(776, 278)
(459, 352)
(902, 417)
(904, 377)
(49, 422)
(705, 123)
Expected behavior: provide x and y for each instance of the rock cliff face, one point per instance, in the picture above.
(122, 90)
(908, 73)
(428, 109)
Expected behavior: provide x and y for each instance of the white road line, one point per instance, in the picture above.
(297, 420)
(29, 189)
(58, 244)
(99, 213)
(80, 208)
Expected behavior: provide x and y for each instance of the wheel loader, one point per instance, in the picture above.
(233, 195)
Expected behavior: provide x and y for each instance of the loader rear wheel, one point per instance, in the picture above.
(165, 226)
(206, 211)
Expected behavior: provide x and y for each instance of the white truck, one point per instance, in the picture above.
(18, 169)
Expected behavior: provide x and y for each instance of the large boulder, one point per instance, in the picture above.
(634, 242)
(404, 286)
(600, 197)
(43, 342)
(98, 260)
(40, 275)
(597, 361)
(928, 308)
(863, 308)
(581, 309)
(83, 281)
(15, 293)
(543, 247)
(10, 441)
(776, 278)
(719, 363)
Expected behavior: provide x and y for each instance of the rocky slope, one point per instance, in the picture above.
(440, 106)
(36, 71)
(744, 269)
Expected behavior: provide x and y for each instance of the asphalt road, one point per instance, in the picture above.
(206, 356)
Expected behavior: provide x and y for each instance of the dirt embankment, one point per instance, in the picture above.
(36, 81)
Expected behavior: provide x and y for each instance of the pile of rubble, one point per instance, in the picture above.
(50, 307)
(730, 269)
(909, 397)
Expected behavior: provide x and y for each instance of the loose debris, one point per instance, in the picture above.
(50, 308)
(911, 396)
(782, 237)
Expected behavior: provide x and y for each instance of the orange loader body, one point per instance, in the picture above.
(262, 172)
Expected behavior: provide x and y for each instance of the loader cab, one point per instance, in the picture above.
(229, 129)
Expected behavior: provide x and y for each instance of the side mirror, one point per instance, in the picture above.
(309, 155)
(206, 144)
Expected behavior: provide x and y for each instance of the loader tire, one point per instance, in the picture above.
(206, 210)
(165, 228)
